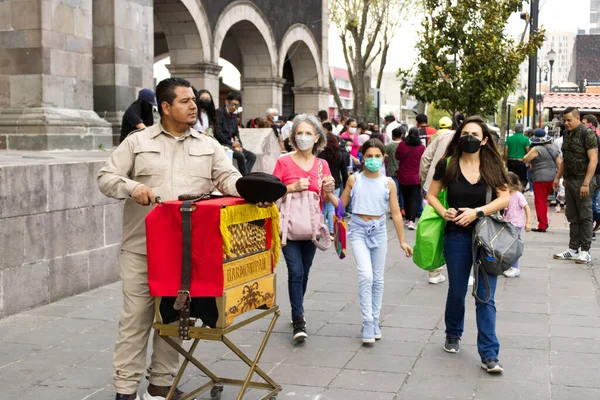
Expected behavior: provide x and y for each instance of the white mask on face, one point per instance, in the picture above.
(305, 142)
(352, 130)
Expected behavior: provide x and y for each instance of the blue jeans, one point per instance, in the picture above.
(516, 265)
(400, 198)
(299, 255)
(370, 265)
(329, 211)
(459, 260)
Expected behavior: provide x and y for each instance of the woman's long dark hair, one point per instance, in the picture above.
(210, 112)
(491, 167)
(413, 138)
(332, 152)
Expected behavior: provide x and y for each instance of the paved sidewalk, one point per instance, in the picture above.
(548, 325)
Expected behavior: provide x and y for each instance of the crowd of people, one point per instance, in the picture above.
(369, 172)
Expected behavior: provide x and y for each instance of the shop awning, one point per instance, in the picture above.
(585, 102)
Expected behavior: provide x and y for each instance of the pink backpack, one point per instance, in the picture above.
(301, 217)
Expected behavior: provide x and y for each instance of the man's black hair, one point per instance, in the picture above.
(291, 117)
(398, 132)
(323, 115)
(235, 96)
(328, 126)
(390, 118)
(422, 119)
(165, 91)
(571, 110)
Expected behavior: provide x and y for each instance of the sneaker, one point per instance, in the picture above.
(584, 258)
(471, 280)
(567, 255)
(452, 344)
(512, 272)
(368, 333)
(127, 396)
(376, 329)
(538, 230)
(300, 334)
(492, 366)
(160, 393)
(434, 280)
(411, 225)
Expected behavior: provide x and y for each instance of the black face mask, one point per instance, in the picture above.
(469, 144)
(204, 104)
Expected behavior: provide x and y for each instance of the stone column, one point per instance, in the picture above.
(123, 56)
(201, 76)
(310, 99)
(46, 89)
(259, 94)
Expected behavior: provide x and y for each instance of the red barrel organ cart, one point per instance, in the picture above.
(213, 260)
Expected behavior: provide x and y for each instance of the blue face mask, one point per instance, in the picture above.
(373, 164)
(276, 118)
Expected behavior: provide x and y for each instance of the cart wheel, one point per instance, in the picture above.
(215, 392)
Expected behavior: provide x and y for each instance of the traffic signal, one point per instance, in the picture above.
(525, 16)
(519, 114)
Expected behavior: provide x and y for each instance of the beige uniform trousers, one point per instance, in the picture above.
(135, 324)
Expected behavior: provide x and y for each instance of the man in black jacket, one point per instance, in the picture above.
(228, 133)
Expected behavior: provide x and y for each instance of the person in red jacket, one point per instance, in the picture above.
(408, 154)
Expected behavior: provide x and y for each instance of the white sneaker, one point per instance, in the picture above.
(411, 225)
(471, 280)
(434, 280)
(512, 272)
(584, 258)
(567, 255)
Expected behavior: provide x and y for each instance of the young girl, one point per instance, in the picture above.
(371, 194)
(519, 214)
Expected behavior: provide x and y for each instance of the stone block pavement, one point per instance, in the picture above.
(548, 324)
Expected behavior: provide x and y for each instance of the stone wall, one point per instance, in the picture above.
(46, 74)
(59, 235)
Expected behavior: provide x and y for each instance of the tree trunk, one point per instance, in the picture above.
(360, 95)
(336, 95)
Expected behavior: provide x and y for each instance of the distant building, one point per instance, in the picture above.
(586, 68)
(563, 44)
(594, 16)
(342, 83)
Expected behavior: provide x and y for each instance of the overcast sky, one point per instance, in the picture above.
(555, 15)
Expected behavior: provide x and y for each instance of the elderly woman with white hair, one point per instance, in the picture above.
(272, 115)
(301, 171)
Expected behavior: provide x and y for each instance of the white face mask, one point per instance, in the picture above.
(305, 142)
(352, 130)
(349, 148)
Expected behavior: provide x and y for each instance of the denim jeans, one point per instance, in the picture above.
(370, 264)
(399, 192)
(298, 256)
(329, 211)
(459, 260)
(516, 264)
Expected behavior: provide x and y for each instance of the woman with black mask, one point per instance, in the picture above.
(471, 165)
(139, 114)
(207, 116)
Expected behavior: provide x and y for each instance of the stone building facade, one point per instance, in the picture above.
(70, 68)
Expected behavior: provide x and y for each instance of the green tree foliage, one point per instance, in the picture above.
(467, 60)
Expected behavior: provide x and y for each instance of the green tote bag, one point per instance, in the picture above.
(429, 247)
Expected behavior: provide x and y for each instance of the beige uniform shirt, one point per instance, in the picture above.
(170, 166)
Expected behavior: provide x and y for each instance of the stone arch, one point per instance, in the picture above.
(305, 58)
(186, 29)
(255, 29)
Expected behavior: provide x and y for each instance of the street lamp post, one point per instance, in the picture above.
(551, 57)
(541, 69)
